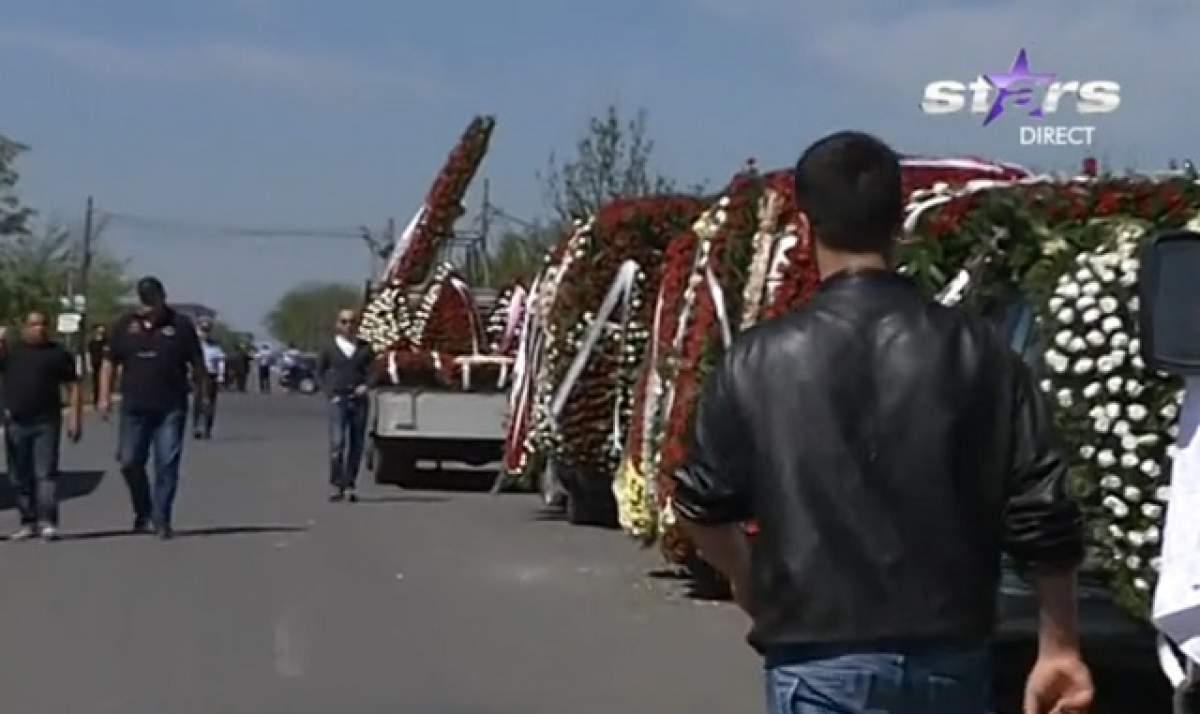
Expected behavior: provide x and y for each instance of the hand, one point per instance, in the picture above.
(74, 430)
(1059, 684)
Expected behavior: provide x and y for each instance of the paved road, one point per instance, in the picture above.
(273, 601)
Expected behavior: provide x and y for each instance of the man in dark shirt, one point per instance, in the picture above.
(95, 351)
(889, 449)
(155, 348)
(342, 369)
(35, 370)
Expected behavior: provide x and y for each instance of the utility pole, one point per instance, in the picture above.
(84, 270)
(484, 224)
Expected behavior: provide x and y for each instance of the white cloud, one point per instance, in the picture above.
(310, 75)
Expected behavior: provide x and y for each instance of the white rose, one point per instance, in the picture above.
(1059, 363)
(1066, 316)
(1109, 304)
(724, 202)
(1132, 493)
(1133, 303)
(1135, 538)
(1046, 385)
(1122, 428)
(1068, 290)
(1106, 459)
(1128, 280)
(1137, 412)
(1120, 340)
(1172, 451)
(1077, 345)
(1129, 461)
(1092, 390)
(1084, 365)
(1055, 303)
(1179, 397)
(1130, 265)
(1063, 338)
(1083, 275)
(1064, 398)
(1085, 302)
(1116, 532)
(1152, 511)
(1153, 535)
(1129, 442)
(1106, 364)
(1169, 411)
(1116, 505)
(1139, 583)
(1173, 431)
(1107, 276)
(1134, 388)
(1111, 324)
(1091, 288)
(1091, 316)
(1151, 468)
(1102, 425)
(1137, 363)
(1135, 346)
(1114, 384)
(1113, 410)
(1133, 563)
(721, 215)
(1087, 451)
(1156, 564)
(1111, 482)
(1163, 493)
(1149, 440)
(1095, 338)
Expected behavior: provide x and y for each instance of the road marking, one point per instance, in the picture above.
(291, 660)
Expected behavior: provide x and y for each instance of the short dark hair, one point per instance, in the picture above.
(150, 291)
(848, 184)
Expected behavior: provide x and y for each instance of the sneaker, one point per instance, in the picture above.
(337, 495)
(49, 532)
(351, 495)
(141, 525)
(165, 532)
(22, 533)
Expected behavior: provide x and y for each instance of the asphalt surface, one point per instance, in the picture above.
(273, 601)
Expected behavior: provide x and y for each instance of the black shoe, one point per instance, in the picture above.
(197, 435)
(338, 495)
(351, 495)
(164, 532)
(141, 525)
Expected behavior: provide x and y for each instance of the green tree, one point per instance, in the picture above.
(305, 315)
(517, 257)
(13, 215)
(612, 160)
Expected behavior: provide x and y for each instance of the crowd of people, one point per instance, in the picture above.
(160, 361)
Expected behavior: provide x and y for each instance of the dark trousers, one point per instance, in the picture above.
(264, 380)
(139, 431)
(204, 411)
(33, 468)
(95, 388)
(347, 431)
(242, 378)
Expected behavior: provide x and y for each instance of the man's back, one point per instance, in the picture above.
(881, 438)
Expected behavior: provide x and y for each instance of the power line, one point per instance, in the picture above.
(134, 221)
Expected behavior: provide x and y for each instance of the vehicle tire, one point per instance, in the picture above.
(308, 385)
(395, 465)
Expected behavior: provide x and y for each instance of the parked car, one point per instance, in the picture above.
(301, 376)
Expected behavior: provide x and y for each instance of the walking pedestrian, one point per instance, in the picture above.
(342, 370)
(35, 370)
(95, 353)
(264, 370)
(889, 449)
(154, 348)
(241, 361)
(204, 405)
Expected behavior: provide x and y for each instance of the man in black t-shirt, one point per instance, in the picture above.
(155, 348)
(35, 370)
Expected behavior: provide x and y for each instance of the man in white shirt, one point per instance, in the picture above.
(204, 406)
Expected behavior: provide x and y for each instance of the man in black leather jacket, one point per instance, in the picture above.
(890, 449)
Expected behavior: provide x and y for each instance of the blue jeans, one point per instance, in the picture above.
(347, 432)
(139, 430)
(33, 468)
(829, 680)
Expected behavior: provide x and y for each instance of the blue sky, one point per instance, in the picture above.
(314, 113)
